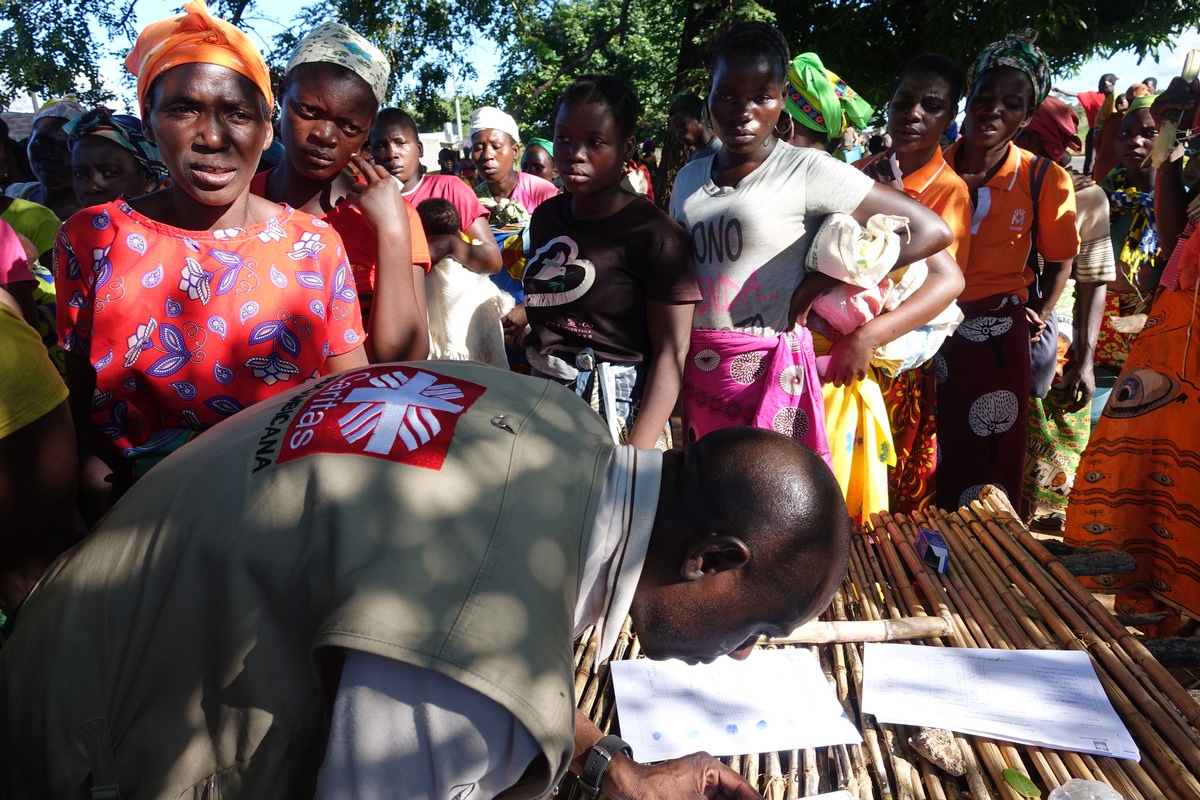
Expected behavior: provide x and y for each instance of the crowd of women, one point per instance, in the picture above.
(931, 319)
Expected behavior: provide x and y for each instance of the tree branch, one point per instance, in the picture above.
(581, 59)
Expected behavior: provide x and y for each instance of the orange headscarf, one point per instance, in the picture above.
(195, 37)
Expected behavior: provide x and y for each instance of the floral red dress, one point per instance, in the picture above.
(185, 328)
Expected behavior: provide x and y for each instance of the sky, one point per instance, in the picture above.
(271, 17)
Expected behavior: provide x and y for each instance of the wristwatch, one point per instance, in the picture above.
(597, 761)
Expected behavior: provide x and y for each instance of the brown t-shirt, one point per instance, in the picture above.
(588, 280)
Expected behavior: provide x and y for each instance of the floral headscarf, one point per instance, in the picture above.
(818, 99)
(1016, 50)
(125, 131)
(336, 43)
(67, 108)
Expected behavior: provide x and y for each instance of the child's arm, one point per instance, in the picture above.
(483, 257)
(670, 326)
(397, 330)
(850, 356)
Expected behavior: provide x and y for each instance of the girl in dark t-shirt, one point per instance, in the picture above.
(610, 285)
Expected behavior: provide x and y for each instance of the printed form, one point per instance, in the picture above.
(1050, 698)
(774, 700)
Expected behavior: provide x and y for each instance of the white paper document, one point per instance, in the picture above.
(1050, 698)
(774, 700)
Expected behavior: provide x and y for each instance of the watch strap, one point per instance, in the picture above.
(596, 763)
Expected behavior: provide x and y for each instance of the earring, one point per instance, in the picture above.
(786, 133)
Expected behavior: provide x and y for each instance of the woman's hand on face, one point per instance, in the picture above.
(377, 194)
(880, 170)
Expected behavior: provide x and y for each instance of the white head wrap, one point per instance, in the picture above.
(336, 43)
(490, 117)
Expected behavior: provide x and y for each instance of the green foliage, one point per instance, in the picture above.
(53, 46)
(545, 54)
(866, 41)
(49, 47)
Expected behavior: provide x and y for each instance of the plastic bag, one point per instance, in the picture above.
(1079, 789)
(856, 254)
(917, 346)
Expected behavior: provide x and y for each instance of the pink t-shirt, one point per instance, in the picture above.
(530, 191)
(452, 188)
(14, 264)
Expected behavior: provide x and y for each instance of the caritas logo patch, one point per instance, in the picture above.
(401, 414)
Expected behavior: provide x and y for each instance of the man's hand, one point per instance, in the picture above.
(1036, 324)
(1077, 385)
(1180, 96)
(688, 778)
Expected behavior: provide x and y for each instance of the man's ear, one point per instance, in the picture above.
(714, 554)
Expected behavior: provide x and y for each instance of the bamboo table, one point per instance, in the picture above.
(1001, 589)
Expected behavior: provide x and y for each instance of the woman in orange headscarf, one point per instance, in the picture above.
(183, 306)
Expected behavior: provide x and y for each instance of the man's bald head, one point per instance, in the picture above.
(751, 536)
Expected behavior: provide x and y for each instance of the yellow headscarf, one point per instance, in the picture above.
(195, 37)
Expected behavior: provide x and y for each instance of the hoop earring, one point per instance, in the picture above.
(785, 134)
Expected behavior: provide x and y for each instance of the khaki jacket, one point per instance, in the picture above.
(188, 647)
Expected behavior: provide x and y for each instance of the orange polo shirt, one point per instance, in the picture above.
(1001, 221)
(938, 188)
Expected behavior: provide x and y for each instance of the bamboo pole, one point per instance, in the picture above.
(812, 778)
(1124, 685)
(775, 785)
(1187, 705)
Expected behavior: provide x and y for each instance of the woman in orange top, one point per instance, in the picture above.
(921, 110)
(984, 368)
(1136, 487)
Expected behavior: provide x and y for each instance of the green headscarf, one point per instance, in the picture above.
(818, 99)
(1016, 50)
(1138, 103)
(545, 144)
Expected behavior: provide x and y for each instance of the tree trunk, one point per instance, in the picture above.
(698, 17)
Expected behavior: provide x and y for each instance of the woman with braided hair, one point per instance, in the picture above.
(751, 210)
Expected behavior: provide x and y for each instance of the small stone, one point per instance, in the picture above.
(938, 747)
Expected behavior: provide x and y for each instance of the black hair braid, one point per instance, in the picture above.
(609, 91)
(755, 39)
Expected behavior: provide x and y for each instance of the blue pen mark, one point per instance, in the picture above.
(693, 734)
(762, 725)
(731, 729)
(656, 736)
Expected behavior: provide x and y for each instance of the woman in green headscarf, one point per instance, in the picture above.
(538, 160)
(820, 106)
